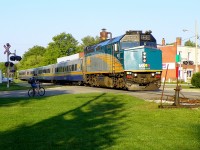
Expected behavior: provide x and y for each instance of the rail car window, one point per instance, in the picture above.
(75, 67)
(46, 71)
(40, 72)
(103, 48)
(125, 45)
(70, 67)
(115, 47)
(21, 73)
(81, 67)
(98, 48)
(150, 44)
(108, 47)
(60, 69)
(65, 68)
(32, 72)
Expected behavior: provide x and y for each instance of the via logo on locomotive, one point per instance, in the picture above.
(145, 66)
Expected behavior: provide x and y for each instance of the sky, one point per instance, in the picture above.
(26, 23)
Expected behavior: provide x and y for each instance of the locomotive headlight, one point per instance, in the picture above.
(152, 74)
(158, 72)
(128, 72)
(135, 74)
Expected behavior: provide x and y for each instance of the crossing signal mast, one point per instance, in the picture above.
(9, 64)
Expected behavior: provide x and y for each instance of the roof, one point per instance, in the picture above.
(104, 43)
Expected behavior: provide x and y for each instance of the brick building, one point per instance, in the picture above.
(186, 67)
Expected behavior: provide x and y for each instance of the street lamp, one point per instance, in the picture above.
(196, 47)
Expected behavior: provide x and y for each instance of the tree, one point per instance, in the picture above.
(89, 40)
(3, 68)
(32, 58)
(195, 81)
(190, 43)
(62, 45)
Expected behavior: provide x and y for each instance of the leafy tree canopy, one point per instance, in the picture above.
(32, 58)
(190, 43)
(3, 67)
(89, 40)
(196, 80)
(62, 45)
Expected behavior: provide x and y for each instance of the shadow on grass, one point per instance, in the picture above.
(22, 97)
(17, 100)
(92, 125)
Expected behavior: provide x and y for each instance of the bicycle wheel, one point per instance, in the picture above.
(31, 93)
(41, 91)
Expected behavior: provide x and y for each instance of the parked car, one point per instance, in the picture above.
(6, 79)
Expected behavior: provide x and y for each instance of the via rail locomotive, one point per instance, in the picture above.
(130, 61)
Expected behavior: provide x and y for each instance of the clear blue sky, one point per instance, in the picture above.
(25, 23)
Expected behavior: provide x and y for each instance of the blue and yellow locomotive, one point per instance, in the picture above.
(130, 61)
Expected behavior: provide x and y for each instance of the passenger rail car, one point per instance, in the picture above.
(69, 71)
(130, 61)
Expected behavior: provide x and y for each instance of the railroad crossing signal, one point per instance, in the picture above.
(15, 58)
(7, 64)
(12, 58)
(7, 47)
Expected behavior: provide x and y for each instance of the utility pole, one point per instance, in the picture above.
(9, 64)
(196, 49)
(7, 47)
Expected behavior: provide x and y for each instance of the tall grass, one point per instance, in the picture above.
(95, 121)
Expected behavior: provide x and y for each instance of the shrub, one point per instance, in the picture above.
(195, 81)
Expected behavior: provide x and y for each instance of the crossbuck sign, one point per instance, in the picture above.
(7, 47)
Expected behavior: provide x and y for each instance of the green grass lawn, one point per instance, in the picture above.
(12, 86)
(16, 86)
(95, 121)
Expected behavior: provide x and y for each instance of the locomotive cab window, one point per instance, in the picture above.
(115, 47)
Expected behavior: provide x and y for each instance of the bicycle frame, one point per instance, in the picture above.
(39, 90)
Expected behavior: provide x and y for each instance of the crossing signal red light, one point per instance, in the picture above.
(12, 58)
(9, 64)
(188, 62)
(15, 58)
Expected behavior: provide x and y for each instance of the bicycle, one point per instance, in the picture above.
(39, 90)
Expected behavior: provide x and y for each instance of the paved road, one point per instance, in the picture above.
(148, 95)
(51, 91)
